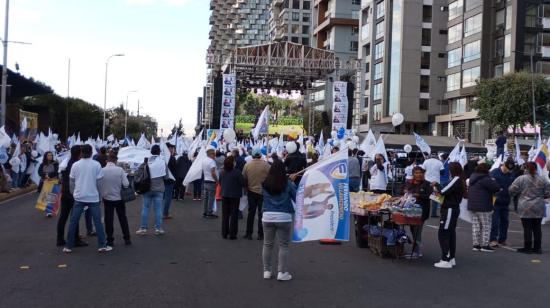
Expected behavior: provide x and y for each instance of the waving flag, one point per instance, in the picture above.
(368, 145)
(542, 156)
(322, 201)
(519, 160)
(5, 140)
(422, 144)
(381, 148)
(262, 127)
(195, 145)
(454, 156)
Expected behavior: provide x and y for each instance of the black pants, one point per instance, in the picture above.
(179, 189)
(64, 214)
(255, 202)
(230, 218)
(447, 233)
(532, 229)
(120, 207)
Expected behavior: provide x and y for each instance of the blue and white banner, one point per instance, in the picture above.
(422, 144)
(322, 201)
(227, 116)
(339, 106)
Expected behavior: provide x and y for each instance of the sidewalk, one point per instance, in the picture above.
(16, 193)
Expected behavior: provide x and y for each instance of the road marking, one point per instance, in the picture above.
(24, 267)
(62, 266)
(437, 227)
(536, 261)
(18, 197)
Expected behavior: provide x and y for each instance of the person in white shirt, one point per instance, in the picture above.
(210, 173)
(379, 175)
(114, 178)
(84, 184)
(433, 167)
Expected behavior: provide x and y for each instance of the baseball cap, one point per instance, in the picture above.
(256, 152)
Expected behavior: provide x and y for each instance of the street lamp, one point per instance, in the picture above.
(126, 113)
(105, 96)
(531, 55)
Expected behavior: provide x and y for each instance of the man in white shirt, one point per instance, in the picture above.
(84, 184)
(210, 173)
(433, 167)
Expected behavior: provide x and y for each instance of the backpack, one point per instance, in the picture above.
(142, 179)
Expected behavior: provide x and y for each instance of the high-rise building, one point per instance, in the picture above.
(402, 52)
(290, 20)
(487, 39)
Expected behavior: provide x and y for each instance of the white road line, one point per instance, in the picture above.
(18, 197)
(437, 227)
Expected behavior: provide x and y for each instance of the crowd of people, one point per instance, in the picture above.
(267, 184)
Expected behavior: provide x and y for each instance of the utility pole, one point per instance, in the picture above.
(68, 97)
(4, 67)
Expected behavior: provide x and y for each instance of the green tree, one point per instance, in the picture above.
(136, 125)
(507, 101)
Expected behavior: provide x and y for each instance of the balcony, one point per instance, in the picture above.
(546, 22)
(336, 20)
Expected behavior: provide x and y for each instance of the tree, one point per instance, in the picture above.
(507, 101)
(136, 125)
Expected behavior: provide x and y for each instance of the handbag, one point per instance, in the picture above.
(142, 181)
(127, 194)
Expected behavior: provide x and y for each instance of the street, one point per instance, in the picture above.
(191, 266)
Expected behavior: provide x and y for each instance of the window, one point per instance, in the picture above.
(305, 41)
(424, 104)
(307, 5)
(354, 30)
(509, 17)
(355, 14)
(380, 30)
(427, 13)
(379, 50)
(377, 112)
(426, 37)
(500, 19)
(425, 84)
(458, 105)
(505, 68)
(380, 10)
(295, 29)
(378, 70)
(507, 45)
(470, 76)
(455, 33)
(305, 29)
(296, 4)
(425, 61)
(366, 103)
(306, 17)
(365, 31)
(472, 51)
(472, 25)
(472, 4)
(377, 91)
(353, 46)
(454, 57)
(295, 16)
(499, 47)
(294, 39)
(453, 82)
(455, 9)
(356, 2)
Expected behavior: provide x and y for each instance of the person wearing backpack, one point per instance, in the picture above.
(151, 184)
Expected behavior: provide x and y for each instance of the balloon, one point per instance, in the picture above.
(333, 134)
(214, 144)
(229, 135)
(264, 150)
(336, 143)
(330, 141)
(341, 133)
(407, 148)
(397, 119)
(291, 147)
(355, 139)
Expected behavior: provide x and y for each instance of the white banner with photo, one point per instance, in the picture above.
(339, 106)
(227, 115)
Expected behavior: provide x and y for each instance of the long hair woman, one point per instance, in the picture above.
(450, 209)
(531, 189)
(278, 193)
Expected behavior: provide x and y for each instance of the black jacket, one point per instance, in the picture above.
(172, 168)
(232, 183)
(504, 180)
(239, 163)
(183, 165)
(51, 175)
(421, 191)
(66, 195)
(480, 192)
(453, 193)
(294, 163)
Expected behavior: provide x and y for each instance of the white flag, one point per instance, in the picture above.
(195, 172)
(454, 156)
(368, 145)
(195, 145)
(5, 140)
(463, 156)
(262, 126)
(381, 148)
(519, 160)
(422, 144)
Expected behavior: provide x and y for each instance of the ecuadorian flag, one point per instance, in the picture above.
(542, 156)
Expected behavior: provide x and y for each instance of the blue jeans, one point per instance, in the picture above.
(435, 206)
(88, 219)
(197, 189)
(354, 184)
(168, 194)
(499, 225)
(209, 197)
(14, 179)
(153, 198)
(95, 211)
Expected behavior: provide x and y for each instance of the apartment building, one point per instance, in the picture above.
(487, 39)
(402, 52)
(290, 20)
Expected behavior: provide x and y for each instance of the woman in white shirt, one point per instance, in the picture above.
(379, 175)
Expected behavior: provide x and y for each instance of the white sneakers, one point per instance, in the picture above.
(105, 249)
(141, 231)
(281, 276)
(159, 232)
(445, 264)
(453, 261)
(267, 275)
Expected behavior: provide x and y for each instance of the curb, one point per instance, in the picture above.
(14, 194)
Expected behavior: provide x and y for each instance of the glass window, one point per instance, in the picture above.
(379, 30)
(500, 18)
(295, 16)
(453, 82)
(472, 4)
(426, 37)
(455, 33)
(295, 39)
(499, 70)
(424, 104)
(305, 29)
(365, 31)
(458, 105)
(472, 51)
(470, 76)
(377, 91)
(354, 30)
(499, 47)
(455, 9)
(425, 61)
(505, 68)
(305, 41)
(472, 25)
(379, 50)
(307, 5)
(306, 17)
(353, 46)
(509, 17)
(377, 112)
(454, 57)
(380, 9)
(427, 13)
(425, 84)
(378, 70)
(296, 4)
(507, 45)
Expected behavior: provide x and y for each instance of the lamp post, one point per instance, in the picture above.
(4, 66)
(105, 96)
(126, 112)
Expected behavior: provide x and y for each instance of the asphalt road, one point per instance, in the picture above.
(191, 266)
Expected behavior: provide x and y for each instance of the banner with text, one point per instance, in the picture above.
(227, 116)
(322, 201)
(340, 105)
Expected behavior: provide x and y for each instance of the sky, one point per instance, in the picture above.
(164, 43)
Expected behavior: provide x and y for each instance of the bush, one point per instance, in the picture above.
(289, 121)
(245, 118)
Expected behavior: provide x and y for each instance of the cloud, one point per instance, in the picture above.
(158, 2)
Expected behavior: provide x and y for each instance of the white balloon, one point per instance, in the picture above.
(353, 146)
(355, 139)
(334, 134)
(291, 147)
(229, 135)
(397, 119)
(354, 131)
(407, 148)
(336, 143)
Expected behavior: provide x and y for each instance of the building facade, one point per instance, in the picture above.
(290, 20)
(402, 52)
